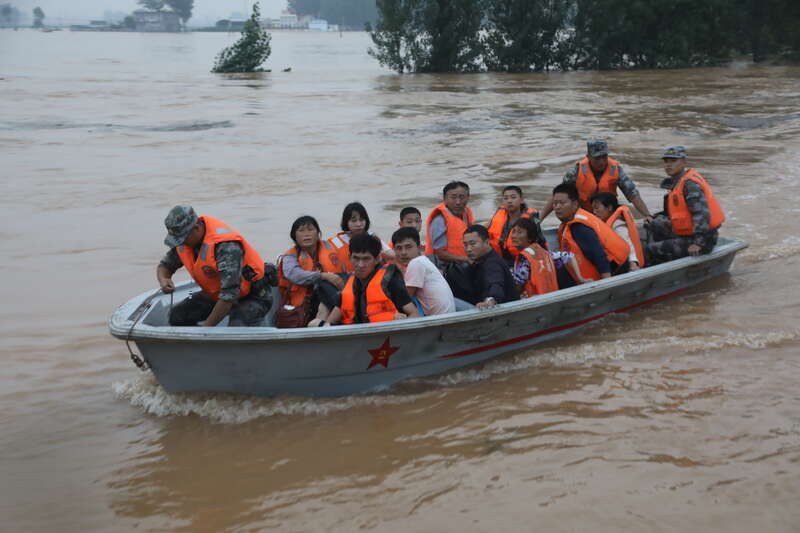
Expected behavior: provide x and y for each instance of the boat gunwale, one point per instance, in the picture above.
(120, 324)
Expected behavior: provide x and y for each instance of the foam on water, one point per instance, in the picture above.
(144, 391)
(787, 247)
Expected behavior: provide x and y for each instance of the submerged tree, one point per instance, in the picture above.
(524, 35)
(250, 51)
(38, 17)
(182, 7)
(428, 35)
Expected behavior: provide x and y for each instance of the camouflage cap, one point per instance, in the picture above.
(597, 147)
(179, 222)
(674, 152)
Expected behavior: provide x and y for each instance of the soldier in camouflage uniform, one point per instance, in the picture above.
(185, 228)
(662, 243)
(597, 153)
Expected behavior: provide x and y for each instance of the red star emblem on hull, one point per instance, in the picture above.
(380, 356)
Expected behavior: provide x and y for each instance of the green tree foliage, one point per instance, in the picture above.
(250, 51)
(129, 22)
(533, 35)
(182, 7)
(152, 5)
(428, 35)
(523, 35)
(651, 33)
(305, 7)
(38, 17)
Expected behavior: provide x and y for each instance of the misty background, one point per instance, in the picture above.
(205, 12)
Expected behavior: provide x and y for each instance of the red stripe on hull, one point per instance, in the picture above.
(558, 328)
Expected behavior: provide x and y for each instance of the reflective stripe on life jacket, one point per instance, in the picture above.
(587, 184)
(496, 230)
(455, 230)
(679, 214)
(203, 268)
(616, 248)
(543, 272)
(380, 307)
(625, 212)
(328, 261)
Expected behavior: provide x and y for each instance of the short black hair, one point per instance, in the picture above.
(482, 232)
(354, 207)
(567, 188)
(405, 233)
(409, 211)
(302, 221)
(607, 199)
(512, 188)
(454, 185)
(364, 242)
(533, 230)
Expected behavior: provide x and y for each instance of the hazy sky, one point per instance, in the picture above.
(78, 11)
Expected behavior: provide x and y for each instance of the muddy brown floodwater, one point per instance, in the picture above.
(684, 415)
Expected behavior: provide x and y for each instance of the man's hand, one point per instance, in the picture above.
(333, 279)
(487, 303)
(400, 316)
(648, 220)
(167, 286)
(634, 266)
(694, 249)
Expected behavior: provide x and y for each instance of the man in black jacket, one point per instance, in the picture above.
(491, 278)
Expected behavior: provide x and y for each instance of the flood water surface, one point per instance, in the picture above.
(683, 415)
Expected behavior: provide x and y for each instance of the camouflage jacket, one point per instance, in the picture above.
(229, 256)
(698, 206)
(625, 184)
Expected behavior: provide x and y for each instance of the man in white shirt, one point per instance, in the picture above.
(423, 280)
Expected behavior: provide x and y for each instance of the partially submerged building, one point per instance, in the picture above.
(157, 20)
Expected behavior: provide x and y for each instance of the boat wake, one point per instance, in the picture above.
(144, 392)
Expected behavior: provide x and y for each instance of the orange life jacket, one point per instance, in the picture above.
(543, 272)
(455, 230)
(342, 248)
(380, 307)
(328, 261)
(616, 248)
(203, 268)
(679, 214)
(496, 230)
(625, 212)
(587, 184)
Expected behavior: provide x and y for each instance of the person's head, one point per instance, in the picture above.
(597, 151)
(305, 232)
(455, 196)
(476, 242)
(406, 244)
(674, 159)
(512, 198)
(410, 217)
(525, 232)
(355, 219)
(183, 227)
(565, 201)
(365, 251)
(604, 204)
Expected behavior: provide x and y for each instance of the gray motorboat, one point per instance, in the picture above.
(361, 358)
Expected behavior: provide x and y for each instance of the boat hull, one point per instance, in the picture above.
(362, 358)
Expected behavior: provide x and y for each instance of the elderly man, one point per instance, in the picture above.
(597, 172)
(691, 218)
(447, 222)
(491, 278)
(222, 263)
